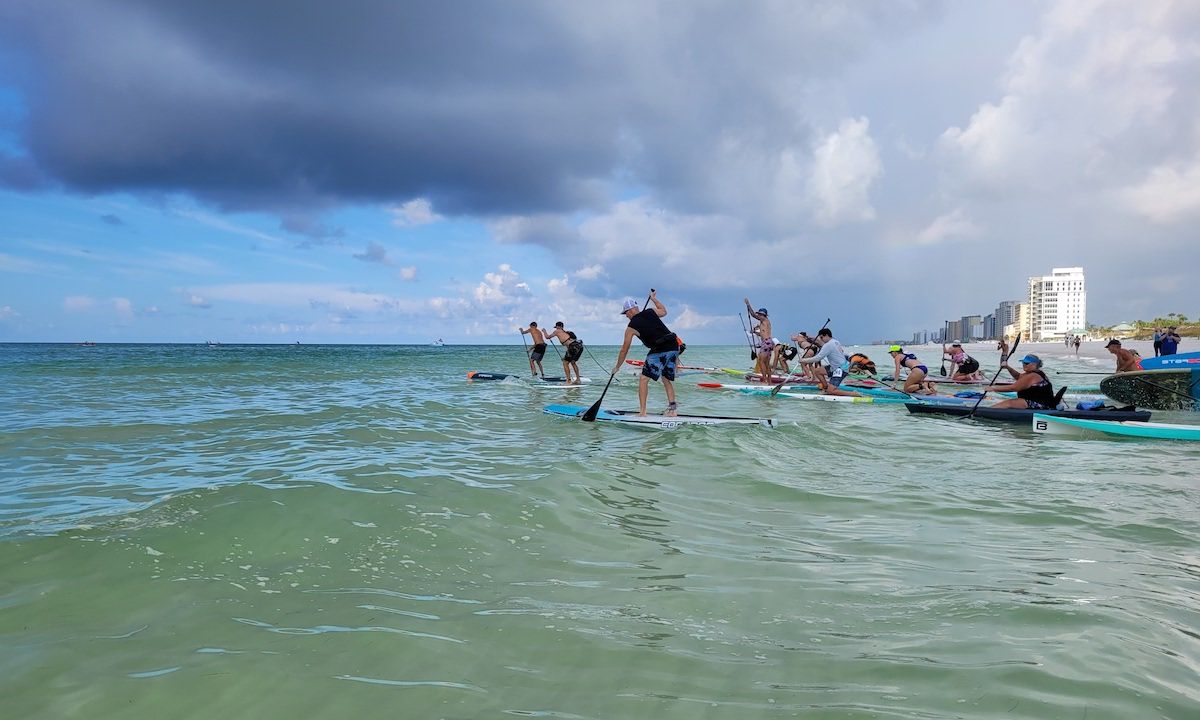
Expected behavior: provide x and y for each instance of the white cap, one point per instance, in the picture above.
(629, 305)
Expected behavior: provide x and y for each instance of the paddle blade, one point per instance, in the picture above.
(590, 414)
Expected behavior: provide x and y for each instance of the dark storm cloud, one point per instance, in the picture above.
(485, 108)
(20, 173)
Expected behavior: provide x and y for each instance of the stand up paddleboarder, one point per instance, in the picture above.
(539, 348)
(574, 350)
(647, 326)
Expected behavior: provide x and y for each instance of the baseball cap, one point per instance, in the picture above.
(1113, 342)
(895, 348)
(629, 305)
(762, 311)
(1031, 359)
(558, 324)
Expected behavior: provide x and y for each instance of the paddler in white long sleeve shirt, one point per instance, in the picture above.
(832, 352)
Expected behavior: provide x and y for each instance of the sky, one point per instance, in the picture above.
(380, 171)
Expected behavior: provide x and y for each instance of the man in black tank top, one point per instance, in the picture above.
(574, 350)
(1034, 390)
(647, 326)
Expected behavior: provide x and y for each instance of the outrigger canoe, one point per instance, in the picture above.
(662, 422)
(1082, 427)
(1024, 415)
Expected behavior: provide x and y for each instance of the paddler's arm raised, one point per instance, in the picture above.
(659, 309)
(629, 335)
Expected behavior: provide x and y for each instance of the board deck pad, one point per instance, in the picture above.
(1155, 389)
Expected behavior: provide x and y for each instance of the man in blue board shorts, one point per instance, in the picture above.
(647, 326)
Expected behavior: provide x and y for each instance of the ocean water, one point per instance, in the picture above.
(295, 532)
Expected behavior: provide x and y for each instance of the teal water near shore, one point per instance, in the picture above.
(351, 531)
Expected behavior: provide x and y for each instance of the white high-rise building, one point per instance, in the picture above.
(1057, 304)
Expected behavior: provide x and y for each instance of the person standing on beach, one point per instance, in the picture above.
(766, 341)
(1126, 361)
(1158, 333)
(833, 353)
(574, 350)
(1170, 341)
(539, 348)
(647, 326)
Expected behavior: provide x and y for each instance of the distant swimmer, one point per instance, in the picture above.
(766, 341)
(1034, 390)
(574, 348)
(539, 348)
(647, 326)
(1126, 361)
(917, 371)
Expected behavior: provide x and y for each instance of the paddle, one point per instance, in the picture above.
(775, 390)
(590, 414)
(993, 382)
(747, 333)
(527, 356)
(943, 370)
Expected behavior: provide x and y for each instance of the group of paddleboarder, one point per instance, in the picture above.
(821, 359)
(572, 350)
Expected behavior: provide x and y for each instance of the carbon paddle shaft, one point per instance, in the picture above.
(993, 382)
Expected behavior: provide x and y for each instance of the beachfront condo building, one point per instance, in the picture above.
(1057, 304)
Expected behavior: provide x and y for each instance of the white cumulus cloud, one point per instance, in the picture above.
(414, 213)
(845, 165)
(78, 303)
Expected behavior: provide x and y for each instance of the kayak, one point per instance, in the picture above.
(1080, 427)
(1172, 389)
(663, 422)
(988, 412)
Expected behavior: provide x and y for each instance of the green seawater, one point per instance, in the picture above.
(359, 532)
